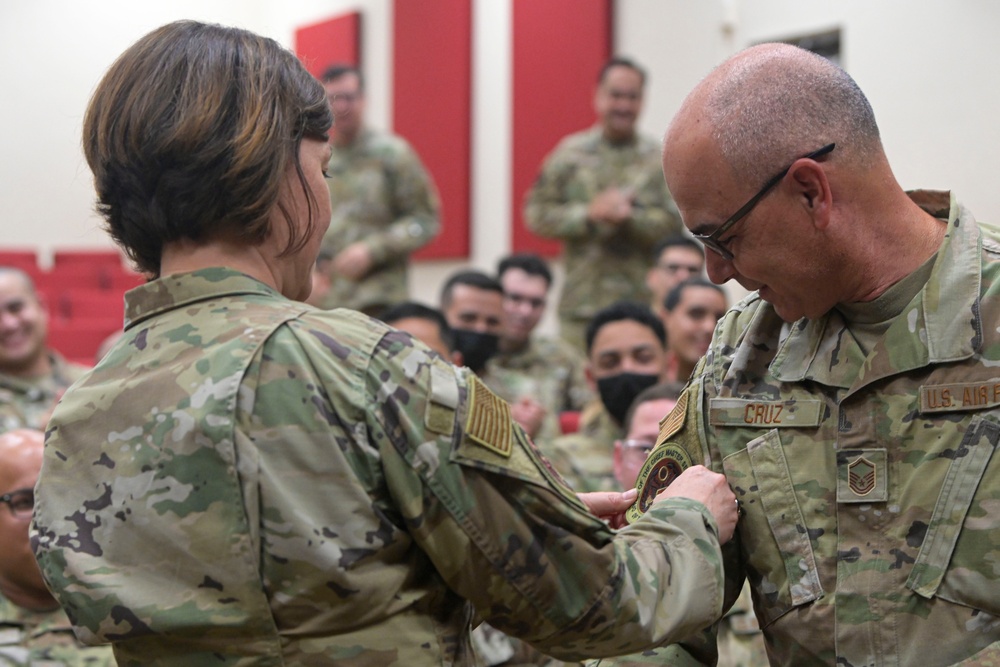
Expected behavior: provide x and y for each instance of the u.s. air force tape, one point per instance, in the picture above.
(662, 467)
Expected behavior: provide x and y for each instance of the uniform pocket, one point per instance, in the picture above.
(773, 531)
(959, 559)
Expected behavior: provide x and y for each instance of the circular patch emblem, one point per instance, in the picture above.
(664, 465)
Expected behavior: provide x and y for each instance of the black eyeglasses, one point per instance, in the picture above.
(20, 502)
(713, 241)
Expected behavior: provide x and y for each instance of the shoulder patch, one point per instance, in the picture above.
(674, 421)
(489, 423)
(440, 414)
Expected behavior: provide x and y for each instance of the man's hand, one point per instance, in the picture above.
(353, 262)
(529, 413)
(609, 505)
(611, 207)
(711, 490)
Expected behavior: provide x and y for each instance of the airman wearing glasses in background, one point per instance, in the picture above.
(601, 193)
(539, 376)
(740, 641)
(384, 203)
(33, 628)
(851, 400)
(675, 259)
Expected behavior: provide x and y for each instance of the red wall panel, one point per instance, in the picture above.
(432, 79)
(559, 48)
(336, 40)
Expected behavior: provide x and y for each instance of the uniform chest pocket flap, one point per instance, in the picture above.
(773, 530)
(959, 559)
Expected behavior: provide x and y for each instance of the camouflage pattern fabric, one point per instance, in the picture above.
(603, 263)
(382, 196)
(44, 639)
(865, 467)
(246, 480)
(585, 459)
(741, 643)
(598, 424)
(586, 463)
(550, 371)
(496, 649)
(26, 403)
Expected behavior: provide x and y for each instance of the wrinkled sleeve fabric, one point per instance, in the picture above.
(505, 534)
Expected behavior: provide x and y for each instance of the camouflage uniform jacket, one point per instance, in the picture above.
(382, 196)
(598, 424)
(246, 480)
(25, 403)
(587, 464)
(44, 639)
(548, 370)
(604, 264)
(869, 481)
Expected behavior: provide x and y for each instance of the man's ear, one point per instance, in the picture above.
(813, 189)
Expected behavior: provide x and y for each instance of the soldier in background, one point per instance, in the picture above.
(427, 325)
(675, 259)
(601, 192)
(32, 375)
(625, 354)
(532, 372)
(384, 203)
(690, 313)
(852, 399)
(472, 303)
(34, 630)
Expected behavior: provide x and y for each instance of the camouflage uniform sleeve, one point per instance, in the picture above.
(416, 209)
(549, 209)
(654, 214)
(507, 535)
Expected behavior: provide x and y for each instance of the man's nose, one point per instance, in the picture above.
(719, 269)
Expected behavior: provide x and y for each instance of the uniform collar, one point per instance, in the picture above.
(174, 291)
(940, 324)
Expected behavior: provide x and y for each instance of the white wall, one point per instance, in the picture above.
(928, 67)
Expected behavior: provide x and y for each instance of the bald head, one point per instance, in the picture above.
(20, 452)
(771, 103)
(20, 461)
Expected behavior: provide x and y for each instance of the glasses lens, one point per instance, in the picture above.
(715, 247)
(22, 502)
(638, 448)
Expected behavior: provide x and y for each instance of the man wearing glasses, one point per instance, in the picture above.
(384, 203)
(539, 376)
(675, 259)
(34, 630)
(852, 400)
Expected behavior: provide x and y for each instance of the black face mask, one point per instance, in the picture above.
(476, 347)
(618, 391)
